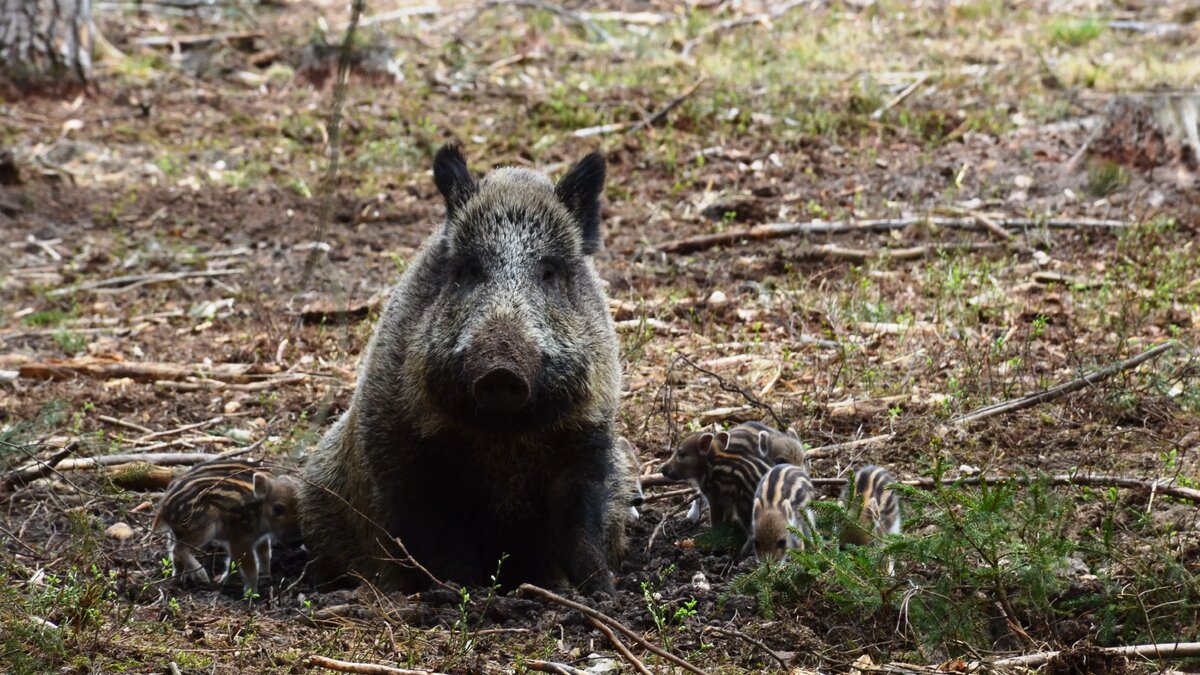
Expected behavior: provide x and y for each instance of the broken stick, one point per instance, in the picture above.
(363, 668)
(1177, 650)
(779, 230)
(620, 647)
(530, 589)
(1027, 401)
(1161, 486)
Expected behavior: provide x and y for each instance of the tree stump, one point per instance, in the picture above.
(1147, 131)
(46, 42)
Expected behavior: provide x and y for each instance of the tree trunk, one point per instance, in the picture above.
(46, 41)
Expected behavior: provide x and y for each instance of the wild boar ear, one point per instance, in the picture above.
(580, 191)
(791, 431)
(705, 445)
(262, 485)
(453, 178)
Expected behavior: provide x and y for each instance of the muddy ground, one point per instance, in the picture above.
(206, 160)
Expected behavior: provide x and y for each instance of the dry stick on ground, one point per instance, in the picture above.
(733, 389)
(620, 647)
(1160, 486)
(154, 458)
(899, 98)
(666, 110)
(1177, 650)
(730, 24)
(757, 643)
(206, 384)
(1031, 400)
(561, 12)
(530, 589)
(552, 667)
(364, 668)
(143, 371)
(135, 280)
(26, 475)
(992, 226)
(1027, 401)
(780, 230)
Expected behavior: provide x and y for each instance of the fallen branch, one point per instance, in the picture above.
(530, 589)
(26, 475)
(730, 24)
(666, 110)
(1093, 377)
(1027, 401)
(363, 668)
(757, 643)
(133, 281)
(139, 476)
(170, 40)
(779, 230)
(552, 667)
(1160, 486)
(157, 459)
(1178, 650)
(142, 371)
(633, 661)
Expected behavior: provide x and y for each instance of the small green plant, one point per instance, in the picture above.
(1075, 32)
(1105, 178)
(71, 343)
(668, 622)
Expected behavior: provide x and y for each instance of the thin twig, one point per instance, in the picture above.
(363, 668)
(666, 110)
(561, 12)
(620, 647)
(757, 643)
(333, 149)
(26, 475)
(734, 389)
(123, 423)
(1027, 401)
(1093, 377)
(530, 589)
(780, 230)
(899, 98)
(552, 667)
(730, 24)
(132, 281)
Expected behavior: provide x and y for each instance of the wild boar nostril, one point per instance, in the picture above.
(501, 390)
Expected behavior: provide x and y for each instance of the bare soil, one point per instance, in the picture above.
(212, 158)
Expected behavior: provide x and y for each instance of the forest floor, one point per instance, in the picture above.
(200, 161)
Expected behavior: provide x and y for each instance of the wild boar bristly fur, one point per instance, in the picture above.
(482, 422)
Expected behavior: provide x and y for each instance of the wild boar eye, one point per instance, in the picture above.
(781, 544)
(548, 273)
(278, 510)
(470, 272)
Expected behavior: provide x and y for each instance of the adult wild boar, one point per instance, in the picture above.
(482, 425)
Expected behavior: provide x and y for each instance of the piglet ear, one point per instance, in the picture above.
(262, 485)
(723, 440)
(579, 190)
(453, 178)
(706, 443)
